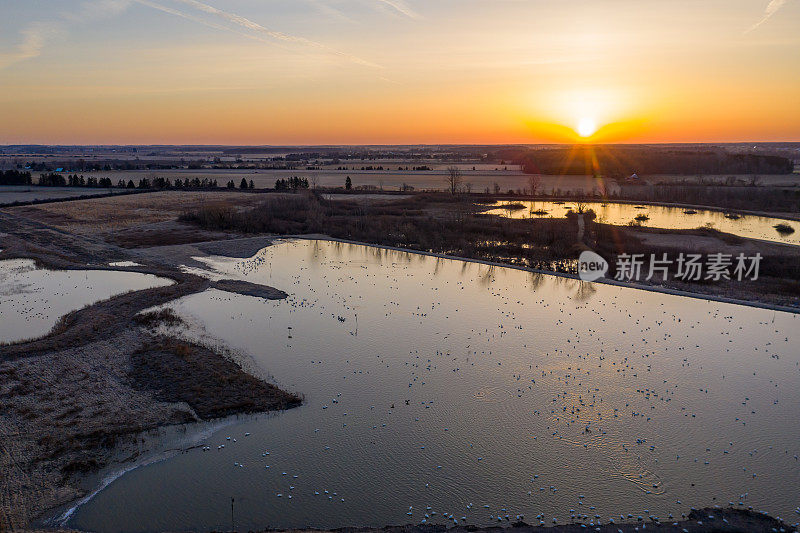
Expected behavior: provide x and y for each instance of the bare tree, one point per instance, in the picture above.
(534, 181)
(454, 179)
(314, 182)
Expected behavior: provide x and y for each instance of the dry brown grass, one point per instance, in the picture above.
(68, 412)
(440, 223)
(151, 319)
(213, 386)
(101, 215)
(75, 400)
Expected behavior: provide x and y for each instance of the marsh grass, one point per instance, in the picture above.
(441, 224)
(432, 223)
(211, 384)
(166, 317)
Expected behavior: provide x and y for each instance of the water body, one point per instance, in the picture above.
(747, 226)
(437, 387)
(33, 299)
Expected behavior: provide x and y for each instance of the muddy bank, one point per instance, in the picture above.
(212, 386)
(698, 521)
(250, 289)
(68, 412)
(105, 376)
(451, 226)
(78, 400)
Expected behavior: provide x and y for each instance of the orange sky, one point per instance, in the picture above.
(397, 72)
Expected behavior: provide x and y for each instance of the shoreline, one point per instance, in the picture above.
(478, 197)
(603, 281)
(56, 450)
(190, 441)
(230, 246)
(763, 214)
(63, 519)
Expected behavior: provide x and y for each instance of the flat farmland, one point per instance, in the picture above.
(14, 193)
(436, 179)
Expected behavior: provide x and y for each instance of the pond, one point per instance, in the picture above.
(32, 300)
(441, 390)
(747, 226)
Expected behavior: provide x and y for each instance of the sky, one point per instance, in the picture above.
(311, 72)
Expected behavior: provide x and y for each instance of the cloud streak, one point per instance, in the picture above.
(34, 39)
(773, 7)
(329, 11)
(37, 35)
(401, 7)
(255, 30)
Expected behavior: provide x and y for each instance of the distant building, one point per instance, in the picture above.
(634, 177)
(60, 169)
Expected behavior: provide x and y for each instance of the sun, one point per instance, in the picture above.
(586, 127)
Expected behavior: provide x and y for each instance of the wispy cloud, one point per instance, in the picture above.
(772, 8)
(401, 7)
(329, 10)
(38, 34)
(397, 7)
(198, 20)
(91, 10)
(254, 29)
(34, 39)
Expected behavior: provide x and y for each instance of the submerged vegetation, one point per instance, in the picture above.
(165, 317)
(451, 225)
(431, 223)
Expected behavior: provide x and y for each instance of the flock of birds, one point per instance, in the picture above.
(32, 300)
(446, 392)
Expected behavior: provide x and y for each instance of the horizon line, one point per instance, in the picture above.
(378, 145)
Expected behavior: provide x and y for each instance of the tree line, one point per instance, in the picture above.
(53, 179)
(242, 184)
(291, 184)
(15, 177)
(623, 161)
